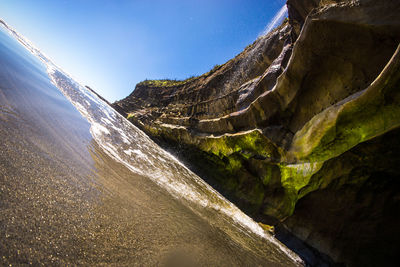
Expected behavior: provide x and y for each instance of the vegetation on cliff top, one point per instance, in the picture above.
(176, 82)
(165, 82)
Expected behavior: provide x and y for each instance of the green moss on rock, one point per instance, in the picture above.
(250, 144)
(297, 176)
(359, 118)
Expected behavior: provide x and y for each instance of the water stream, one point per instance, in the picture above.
(276, 20)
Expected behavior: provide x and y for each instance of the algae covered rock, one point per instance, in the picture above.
(301, 129)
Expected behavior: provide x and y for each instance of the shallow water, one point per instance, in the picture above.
(80, 185)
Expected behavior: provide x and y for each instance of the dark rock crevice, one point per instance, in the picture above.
(357, 207)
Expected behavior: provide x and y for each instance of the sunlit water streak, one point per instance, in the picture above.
(276, 20)
(128, 145)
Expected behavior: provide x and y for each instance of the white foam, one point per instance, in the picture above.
(99, 129)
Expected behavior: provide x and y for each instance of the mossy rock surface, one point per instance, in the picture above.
(292, 118)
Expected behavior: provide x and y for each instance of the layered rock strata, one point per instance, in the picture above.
(302, 126)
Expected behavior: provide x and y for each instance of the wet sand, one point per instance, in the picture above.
(63, 200)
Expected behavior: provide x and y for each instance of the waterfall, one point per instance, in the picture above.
(276, 20)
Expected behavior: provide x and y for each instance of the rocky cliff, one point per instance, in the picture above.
(301, 129)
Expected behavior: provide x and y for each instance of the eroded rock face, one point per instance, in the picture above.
(356, 205)
(302, 126)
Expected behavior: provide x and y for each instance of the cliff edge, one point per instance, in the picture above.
(301, 129)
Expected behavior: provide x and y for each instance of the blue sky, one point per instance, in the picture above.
(111, 45)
